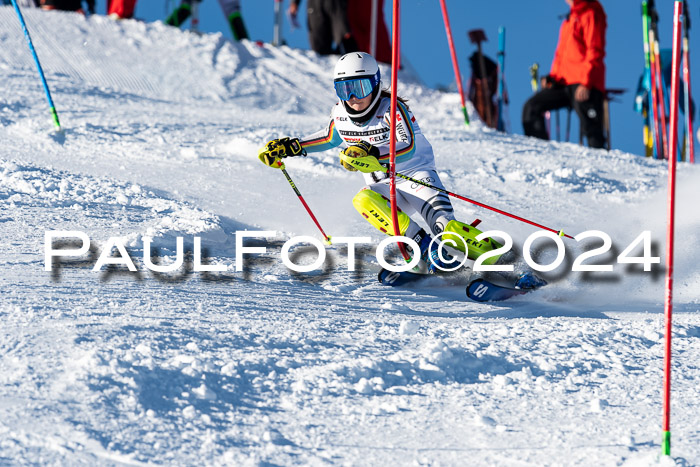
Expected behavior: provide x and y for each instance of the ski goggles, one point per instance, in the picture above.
(360, 87)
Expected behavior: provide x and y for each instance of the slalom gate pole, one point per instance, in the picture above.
(455, 63)
(194, 18)
(52, 107)
(308, 209)
(395, 63)
(668, 306)
(277, 28)
(690, 137)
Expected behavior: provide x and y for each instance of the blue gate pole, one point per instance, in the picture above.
(54, 115)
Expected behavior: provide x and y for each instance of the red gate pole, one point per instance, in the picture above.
(672, 148)
(395, 57)
(455, 63)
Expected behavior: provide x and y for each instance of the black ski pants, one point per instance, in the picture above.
(327, 21)
(590, 112)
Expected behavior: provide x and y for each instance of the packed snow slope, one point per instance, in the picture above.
(269, 367)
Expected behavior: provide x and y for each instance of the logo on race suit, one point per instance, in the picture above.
(363, 133)
(378, 139)
(353, 140)
(342, 119)
(428, 180)
(402, 133)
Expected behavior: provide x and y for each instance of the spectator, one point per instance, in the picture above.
(360, 18)
(121, 9)
(68, 5)
(577, 77)
(476, 88)
(329, 29)
(231, 9)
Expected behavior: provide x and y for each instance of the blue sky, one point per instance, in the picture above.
(532, 29)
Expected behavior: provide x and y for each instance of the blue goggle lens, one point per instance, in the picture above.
(360, 88)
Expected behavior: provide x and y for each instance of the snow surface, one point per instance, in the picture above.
(271, 367)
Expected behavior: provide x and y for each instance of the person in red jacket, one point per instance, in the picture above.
(121, 9)
(360, 19)
(577, 77)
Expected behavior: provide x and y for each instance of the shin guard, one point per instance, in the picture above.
(377, 210)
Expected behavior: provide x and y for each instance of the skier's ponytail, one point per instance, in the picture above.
(387, 93)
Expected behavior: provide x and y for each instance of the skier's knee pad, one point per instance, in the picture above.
(377, 210)
(462, 234)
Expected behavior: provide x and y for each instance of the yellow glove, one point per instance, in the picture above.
(357, 151)
(273, 152)
(361, 156)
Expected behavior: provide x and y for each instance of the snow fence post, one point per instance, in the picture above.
(54, 114)
(672, 147)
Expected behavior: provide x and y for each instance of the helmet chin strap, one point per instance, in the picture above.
(359, 116)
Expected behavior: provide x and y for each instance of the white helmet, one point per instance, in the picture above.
(356, 65)
(357, 74)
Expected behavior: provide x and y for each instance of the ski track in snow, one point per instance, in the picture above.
(270, 367)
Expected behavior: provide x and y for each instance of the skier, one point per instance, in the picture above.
(360, 121)
(577, 77)
(230, 8)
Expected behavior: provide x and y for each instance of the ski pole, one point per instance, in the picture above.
(301, 198)
(370, 164)
(52, 107)
(464, 198)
